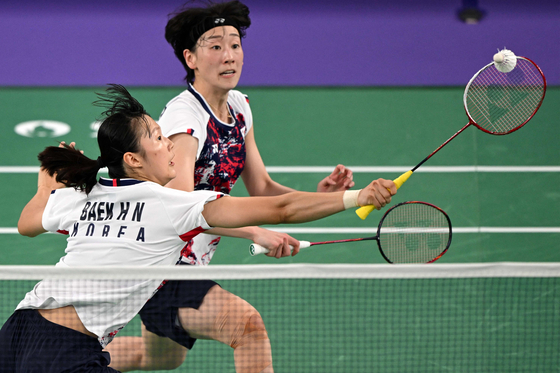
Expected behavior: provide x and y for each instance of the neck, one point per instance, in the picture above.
(221, 111)
(217, 99)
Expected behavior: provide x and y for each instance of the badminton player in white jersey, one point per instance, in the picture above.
(132, 219)
(211, 125)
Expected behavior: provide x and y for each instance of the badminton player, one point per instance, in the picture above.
(133, 219)
(211, 125)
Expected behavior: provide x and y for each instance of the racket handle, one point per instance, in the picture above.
(364, 211)
(256, 249)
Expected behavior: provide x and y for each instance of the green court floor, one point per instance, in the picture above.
(505, 211)
(359, 127)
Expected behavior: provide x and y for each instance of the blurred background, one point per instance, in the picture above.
(290, 42)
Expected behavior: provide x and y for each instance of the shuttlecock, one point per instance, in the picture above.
(505, 60)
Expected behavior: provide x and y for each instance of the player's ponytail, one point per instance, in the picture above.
(123, 125)
(71, 167)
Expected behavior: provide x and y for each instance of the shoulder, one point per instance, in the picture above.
(62, 201)
(67, 195)
(240, 103)
(178, 203)
(174, 196)
(183, 113)
(238, 99)
(184, 100)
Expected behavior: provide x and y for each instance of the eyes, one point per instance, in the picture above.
(218, 47)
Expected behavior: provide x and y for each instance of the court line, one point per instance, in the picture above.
(337, 230)
(428, 169)
(355, 169)
(334, 230)
(367, 169)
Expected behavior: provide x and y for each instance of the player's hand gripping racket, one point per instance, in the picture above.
(409, 232)
(497, 103)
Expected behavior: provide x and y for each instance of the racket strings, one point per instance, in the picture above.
(501, 102)
(513, 108)
(414, 233)
(512, 87)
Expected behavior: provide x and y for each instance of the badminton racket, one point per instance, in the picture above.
(496, 103)
(409, 232)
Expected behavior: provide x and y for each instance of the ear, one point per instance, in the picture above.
(132, 160)
(190, 59)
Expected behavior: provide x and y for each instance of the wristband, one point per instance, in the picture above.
(350, 199)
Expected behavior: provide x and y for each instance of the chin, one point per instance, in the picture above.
(229, 84)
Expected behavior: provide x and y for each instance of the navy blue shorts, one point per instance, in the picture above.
(159, 314)
(31, 344)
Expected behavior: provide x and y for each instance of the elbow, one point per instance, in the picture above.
(285, 214)
(291, 209)
(25, 230)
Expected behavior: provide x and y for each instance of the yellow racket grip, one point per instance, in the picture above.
(364, 211)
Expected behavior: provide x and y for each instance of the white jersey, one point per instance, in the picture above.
(122, 222)
(220, 154)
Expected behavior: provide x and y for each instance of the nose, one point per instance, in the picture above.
(228, 55)
(170, 144)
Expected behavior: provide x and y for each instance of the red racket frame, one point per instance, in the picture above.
(471, 120)
(376, 238)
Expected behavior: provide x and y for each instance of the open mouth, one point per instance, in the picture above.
(227, 72)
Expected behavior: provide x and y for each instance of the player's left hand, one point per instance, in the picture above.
(339, 180)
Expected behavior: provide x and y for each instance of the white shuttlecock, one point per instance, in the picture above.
(505, 60)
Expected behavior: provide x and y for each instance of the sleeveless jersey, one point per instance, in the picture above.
(220, 154)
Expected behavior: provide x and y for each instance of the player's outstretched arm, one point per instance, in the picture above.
(295, 207)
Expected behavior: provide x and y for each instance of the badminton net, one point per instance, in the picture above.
(497, 317)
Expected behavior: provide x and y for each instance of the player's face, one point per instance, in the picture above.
(217, 60)
(157, 164)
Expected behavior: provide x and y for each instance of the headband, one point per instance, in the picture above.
(212, 22)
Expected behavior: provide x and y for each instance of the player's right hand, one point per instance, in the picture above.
(378, 193)
(278, 243)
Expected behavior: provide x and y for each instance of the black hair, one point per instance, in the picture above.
(123, 125)
(186, 25)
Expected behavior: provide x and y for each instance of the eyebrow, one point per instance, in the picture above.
(221, 36)
(154, 129)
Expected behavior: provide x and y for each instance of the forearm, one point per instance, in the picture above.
(30, 220)
(255, 177)
(295, 207)
(290, 208)
(301, 207)
(269, 187)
